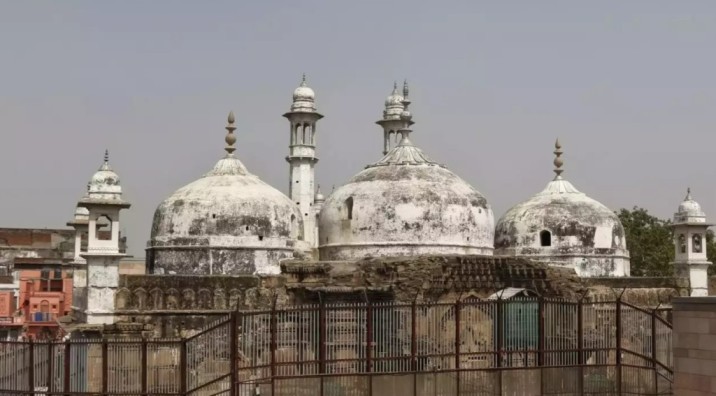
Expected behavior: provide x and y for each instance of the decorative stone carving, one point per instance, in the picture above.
(205, 299)
(157, 298)
(219, 299)
(140, 299)
(188, 299)
(123, 298)
(172, 299)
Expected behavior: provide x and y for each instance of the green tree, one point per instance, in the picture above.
(650, 243)
(649, 240)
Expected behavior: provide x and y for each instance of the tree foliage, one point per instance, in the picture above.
(650, 243)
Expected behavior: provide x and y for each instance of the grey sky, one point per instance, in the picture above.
(628, 86)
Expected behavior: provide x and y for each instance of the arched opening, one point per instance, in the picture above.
(682, 243)
(44, 314)
(313, 134)
(304, 139)
(103, 228)
(294, 229)
(696, 243)
(349, 208)
(545, 238)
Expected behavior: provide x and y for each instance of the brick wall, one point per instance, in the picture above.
(694, 346)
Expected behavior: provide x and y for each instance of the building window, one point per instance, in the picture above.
(696, 243)
(545, 238)
(349, 208)
(682, 243)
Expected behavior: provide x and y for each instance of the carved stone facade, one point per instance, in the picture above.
(179, 305)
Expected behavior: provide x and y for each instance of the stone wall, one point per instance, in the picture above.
(694, 346)
(177, 304)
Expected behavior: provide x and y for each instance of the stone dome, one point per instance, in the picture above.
(303, 97)
(393, 104)
(227, 222)
(105, 183)
(689, 211)
(565, 227)
(405, 204)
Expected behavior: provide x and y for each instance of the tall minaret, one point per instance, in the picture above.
(103, 201)
(302, 156)
(391, 121)
(690, 243)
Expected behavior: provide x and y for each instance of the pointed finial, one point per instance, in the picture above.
(558, 162)
(395, 85)
(230, 138)
(405, 89)
(106, 155)
(303, 80)
(688, 194)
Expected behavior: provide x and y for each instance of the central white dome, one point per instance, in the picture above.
(405, 204)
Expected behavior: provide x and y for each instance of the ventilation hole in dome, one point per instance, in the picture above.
(545, 238)
(296, 181)
(468, 238)
(247, 228)
(305, 214)
(261, 237)
(213, 216)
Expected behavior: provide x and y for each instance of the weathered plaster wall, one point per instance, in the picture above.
(695, 346)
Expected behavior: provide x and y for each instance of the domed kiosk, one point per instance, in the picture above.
(563, 226)
(404, 204)
(228, 222)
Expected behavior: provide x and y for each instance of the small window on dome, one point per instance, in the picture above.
(545, 238)
(349, 208)
(261, 237)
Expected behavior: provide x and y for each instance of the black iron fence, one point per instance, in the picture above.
(524, 346)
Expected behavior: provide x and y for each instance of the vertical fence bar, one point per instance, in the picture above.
(653, 352)
(369, 346)
(31, 371)
(500, 340)
(105, 367)
(50, 364)
(457, 347)
(580, 344)
(413, 345)
(234, 352)
(540, 341)
(183, 363)
(619, 344)
(273, 346)
(144, 368)
(321, 342)
(67, 367)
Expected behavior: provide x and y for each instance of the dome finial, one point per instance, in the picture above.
(106, 155)
(688, 194)
(405, 89)
(303, 80)
(558, 162)
(230, 138)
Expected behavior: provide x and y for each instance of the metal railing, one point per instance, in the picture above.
(515, 346)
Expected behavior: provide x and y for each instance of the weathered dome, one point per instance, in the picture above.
(393, 104)
(105, 183)
(227, 222)
(405, 204)
(303, 97)
(689, 211)
(564, 226)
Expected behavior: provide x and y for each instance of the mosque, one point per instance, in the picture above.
(229, 222)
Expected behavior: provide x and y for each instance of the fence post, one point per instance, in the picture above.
(105, 367)
(272, 330)
(321, 342)
(457, 347)
(144, 367)
(500, 340)
(540, 341)
(653, 351)
(31, 371)
(369, 345)
(67, 367)
(50, 364)
(580, 343)
(183, 363)
(619, 344)
(414, 345)
(234, 352)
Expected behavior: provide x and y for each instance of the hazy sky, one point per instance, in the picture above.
(628, 86)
